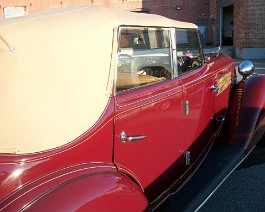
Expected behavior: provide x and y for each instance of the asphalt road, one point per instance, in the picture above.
(244, 190)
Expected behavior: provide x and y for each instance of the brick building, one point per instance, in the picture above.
(238, 23)
(184, 10)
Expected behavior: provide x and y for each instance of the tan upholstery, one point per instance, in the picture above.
(135, 80)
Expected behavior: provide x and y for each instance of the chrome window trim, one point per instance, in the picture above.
(173, 42)
(118, 33)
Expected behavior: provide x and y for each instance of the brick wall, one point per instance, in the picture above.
(183, 10)
(34, 6)
(255, 24)
(249, 16)
(240, 21)
(249, 22)
(189, 10)
(249, 27)
(214, 23)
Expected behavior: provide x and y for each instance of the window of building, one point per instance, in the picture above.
(10, 12)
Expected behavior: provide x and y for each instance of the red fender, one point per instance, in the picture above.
(98, 192)
(246, 115)
(101, 190)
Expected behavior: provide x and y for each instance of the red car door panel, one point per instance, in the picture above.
(157, 117)
(199, 119)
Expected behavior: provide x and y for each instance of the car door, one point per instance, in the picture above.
(198, 96)
(222, 86)
(148, 141)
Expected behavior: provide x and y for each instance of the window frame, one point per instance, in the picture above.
(171, 48)
(200, 51)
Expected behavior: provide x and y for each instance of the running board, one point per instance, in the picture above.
(218, 165)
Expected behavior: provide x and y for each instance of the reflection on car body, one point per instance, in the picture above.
(118, 114)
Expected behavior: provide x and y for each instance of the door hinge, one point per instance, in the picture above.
(187, 158)
(186, 108)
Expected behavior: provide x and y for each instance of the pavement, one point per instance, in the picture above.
(244, 190)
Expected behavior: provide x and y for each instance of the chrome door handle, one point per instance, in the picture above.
(124, 137)
(214, 88)
(136, 138)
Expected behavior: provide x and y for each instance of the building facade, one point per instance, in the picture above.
(236, 23)
(184, 10)
(240, 23)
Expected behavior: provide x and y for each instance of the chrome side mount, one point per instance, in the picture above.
(246, 68)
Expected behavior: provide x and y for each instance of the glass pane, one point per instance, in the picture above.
(189, 55)
(144, 57)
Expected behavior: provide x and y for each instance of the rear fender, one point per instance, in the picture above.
(85, 187)
(99, 192)
(246, 116)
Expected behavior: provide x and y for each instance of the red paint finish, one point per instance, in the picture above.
(158, 112)
(252, 111)
(86, 192)
(93, 146)
(200, 120)
(35, 189)
(246, 114)
(147, 142)
(154, 112)
(107, 192)
(155, 163)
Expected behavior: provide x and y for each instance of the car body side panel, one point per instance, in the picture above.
(199, 120)
(104, 192)
(246, 114)
(93, 146)
(91, 186)
(154, 112)
(252, 114)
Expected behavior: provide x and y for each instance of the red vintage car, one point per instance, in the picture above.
(107, 110)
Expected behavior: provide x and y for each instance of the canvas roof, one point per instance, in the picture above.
(53, 87)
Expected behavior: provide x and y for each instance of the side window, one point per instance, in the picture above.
(189, 55)
(144, 57)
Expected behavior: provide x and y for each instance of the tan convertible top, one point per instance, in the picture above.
(53, 84)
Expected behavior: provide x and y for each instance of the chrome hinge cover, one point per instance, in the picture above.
(186, 108)
(187, 158)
